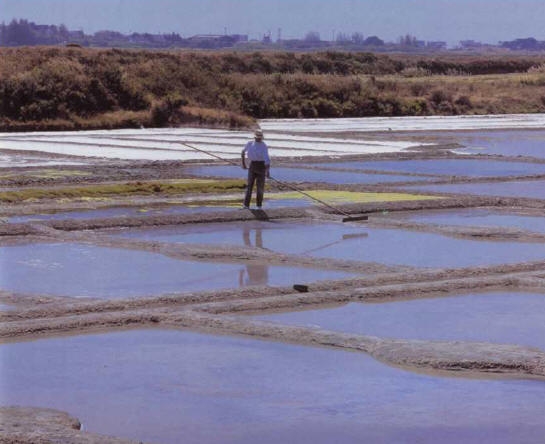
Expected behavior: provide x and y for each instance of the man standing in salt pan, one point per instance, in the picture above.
(258, 155)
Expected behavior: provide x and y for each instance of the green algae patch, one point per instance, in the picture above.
(192, 181)
(130, 188)
(54, 174)
(46, 174)
(352, 197)
(220, 203)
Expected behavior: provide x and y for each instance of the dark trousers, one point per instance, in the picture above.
(256, 174)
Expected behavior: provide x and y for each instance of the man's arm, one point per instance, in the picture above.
(243, 157)
(267, 162)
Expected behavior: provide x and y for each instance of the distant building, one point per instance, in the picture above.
(527, 44)
(240, 38)
(76, 35)
(470, 44)
(108, 36)
(436, 45)
(216, 40)
(373, 41)
(44, 30)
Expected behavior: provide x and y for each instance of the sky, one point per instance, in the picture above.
(449, 20)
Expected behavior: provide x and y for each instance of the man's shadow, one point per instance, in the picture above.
(260, 215)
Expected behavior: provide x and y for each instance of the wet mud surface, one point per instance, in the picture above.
(164, 210)
(436, 300)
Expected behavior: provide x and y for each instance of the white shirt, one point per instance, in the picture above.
(257, 151)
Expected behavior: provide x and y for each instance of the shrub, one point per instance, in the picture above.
(420, 88)
(163, 111)
(415, 71)
(77, 88)
(308, 110)
(464, 101)
(439, 96)
(327, 108)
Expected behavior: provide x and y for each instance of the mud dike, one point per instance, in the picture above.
(229, 273)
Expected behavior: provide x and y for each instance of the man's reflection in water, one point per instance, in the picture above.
(255, 274)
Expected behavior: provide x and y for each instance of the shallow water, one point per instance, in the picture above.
(159, 386)
(79, 270)
(534, 189)
(505, 143)
(508, 142)
(481, 217)
(450, 167)
(351, 241)
(107, 213)
(303, 175)
(506, 317)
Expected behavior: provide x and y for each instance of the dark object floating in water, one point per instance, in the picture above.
(301, 288)
(355, 218)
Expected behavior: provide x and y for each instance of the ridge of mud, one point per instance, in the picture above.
(380, 285)
(382, 293)
(34, 425)
(484, 233)
(424, 355)
(28, 228)
(459, 356)
(475, 357)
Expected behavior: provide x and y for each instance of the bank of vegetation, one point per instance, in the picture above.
(72, 88)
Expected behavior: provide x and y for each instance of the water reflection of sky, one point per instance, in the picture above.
(500, 317)
(505, 143)
(450, 167)
(353, 241)
(303, 175)
(158, 386)
(86, 271)
(481, 217)
(534, 189)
